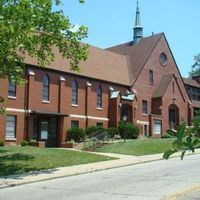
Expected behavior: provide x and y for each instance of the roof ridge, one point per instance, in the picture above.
(131, 42)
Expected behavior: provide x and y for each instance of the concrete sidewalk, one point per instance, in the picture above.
(123, 160)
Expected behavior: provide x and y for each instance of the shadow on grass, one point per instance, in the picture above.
(3, 151)
(15, 164)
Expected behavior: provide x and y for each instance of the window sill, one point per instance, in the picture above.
(43, 101)
(74, 105)
(144, 114)
(99, 108)
(10, 139)
(12, 97)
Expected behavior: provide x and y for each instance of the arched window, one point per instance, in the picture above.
(45, 88)
(74, 92)
(99, 97)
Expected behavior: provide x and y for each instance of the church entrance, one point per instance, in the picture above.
(126, 110)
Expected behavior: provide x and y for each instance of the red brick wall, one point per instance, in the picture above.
(145, 90)
(15, 107)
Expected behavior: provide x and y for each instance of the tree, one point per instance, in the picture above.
(187, 139)
(196, 66)
(33, 27)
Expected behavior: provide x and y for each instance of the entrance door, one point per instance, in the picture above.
(48, 131)
(173, 116)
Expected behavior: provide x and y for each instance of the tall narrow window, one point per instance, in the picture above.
(11, 89)
(74, 92)
(45, 88)
(99, 97)
(151, 77)
(144, 107)
(11, 127)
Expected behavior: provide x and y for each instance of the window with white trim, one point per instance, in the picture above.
(11, 127)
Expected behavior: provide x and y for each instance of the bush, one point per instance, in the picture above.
(1, 143)
(171, 133)
(32, 143)
(24, 143)
(131, 130)
(112, 131)
(92, 129)
(103, 136)
(196, 126)
(75, 134)
(166, 135)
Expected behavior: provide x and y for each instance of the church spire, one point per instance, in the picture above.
(138, 30)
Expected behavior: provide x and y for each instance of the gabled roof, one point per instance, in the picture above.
(191, 82)
(160, 90)
(138, 53)
(101, 64)
(164, 84)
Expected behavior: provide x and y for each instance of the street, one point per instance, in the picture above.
(172, 179)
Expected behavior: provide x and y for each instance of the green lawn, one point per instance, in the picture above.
(15, 160)
(139, 147)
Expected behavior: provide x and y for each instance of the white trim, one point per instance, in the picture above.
(74, 105)
(142, 122)
(77, 116)
(88, 117)
(15, 110)
(62, 78)
(10, 139)
(89, 84)
(31, 72)
(111, 88)
(98, 118)
(12, 97)
(44, 101)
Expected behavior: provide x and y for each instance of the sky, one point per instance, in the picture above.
(111, 22)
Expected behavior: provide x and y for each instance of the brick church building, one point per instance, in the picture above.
(139, 79)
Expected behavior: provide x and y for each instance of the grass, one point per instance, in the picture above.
(139, 147)
(16, 160)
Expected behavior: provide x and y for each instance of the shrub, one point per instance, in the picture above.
(166, 135)
(112, 131)
(32, 143)
(103, 136)
(131, 130)
(171, 133)
(196, 125)
(92, 129)
(24, 143)
(1, 143)
(75, 134)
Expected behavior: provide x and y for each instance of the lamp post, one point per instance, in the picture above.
(124, 118)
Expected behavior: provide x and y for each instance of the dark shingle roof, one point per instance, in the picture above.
(101, 64)
(191, 82)
(138, 53)
(164, 83)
